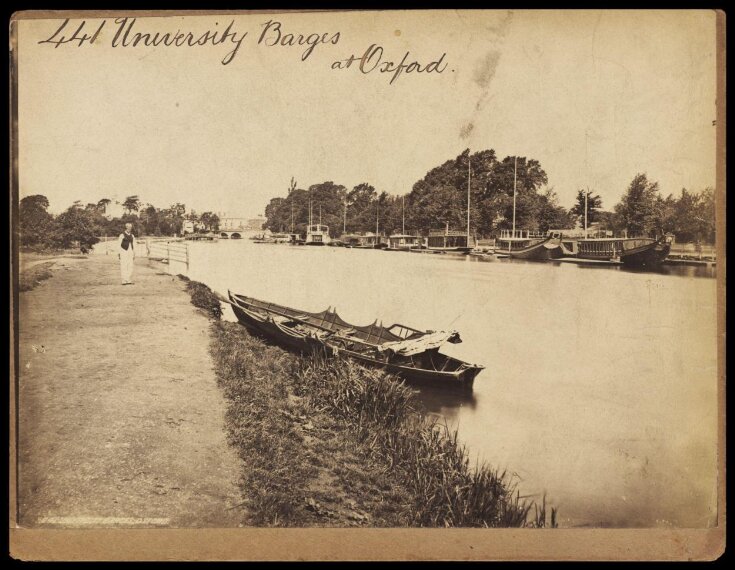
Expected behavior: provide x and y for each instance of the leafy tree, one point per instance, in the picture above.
(550, 214)
(594, 205)
(150, 220)
(706, 215)
(36, 224)
(441, 196)
(663, 219)
(610, 221)
(75, 225)
(326, 196)
(209, 221)
(131, 204)
(637, 209)
(361, 208)
(694, 216)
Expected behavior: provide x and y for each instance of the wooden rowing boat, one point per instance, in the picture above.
(399, 349)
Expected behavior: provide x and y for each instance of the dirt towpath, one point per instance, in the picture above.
(121, 422)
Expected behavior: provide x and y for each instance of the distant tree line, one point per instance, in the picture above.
(82, 225)
(440, 198)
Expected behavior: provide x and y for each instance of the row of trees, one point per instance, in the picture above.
(83, 225)
(440, 198)
(643, 211)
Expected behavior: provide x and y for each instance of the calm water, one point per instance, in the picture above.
(600, 386)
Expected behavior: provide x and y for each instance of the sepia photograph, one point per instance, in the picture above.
(367, 285)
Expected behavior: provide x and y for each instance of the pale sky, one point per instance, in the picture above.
(594, 96)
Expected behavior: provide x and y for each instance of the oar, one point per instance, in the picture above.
(221, 297)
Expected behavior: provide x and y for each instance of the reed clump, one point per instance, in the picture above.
(424, 452)
(203, 297)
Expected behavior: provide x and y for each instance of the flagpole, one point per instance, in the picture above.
(515, 170)
(403, 227)
(469, 178)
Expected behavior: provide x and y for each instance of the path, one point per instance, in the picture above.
(121, 422)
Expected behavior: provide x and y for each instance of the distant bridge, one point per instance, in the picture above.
(231, 234)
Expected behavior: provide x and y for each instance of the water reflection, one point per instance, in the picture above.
(676, 269)
(445, 402)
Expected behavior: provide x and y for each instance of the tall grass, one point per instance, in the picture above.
(251, 373)
(203, 297)
(382, 416)
(424, 452)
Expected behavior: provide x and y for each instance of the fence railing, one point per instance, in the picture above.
(701, 250)
(175, 253)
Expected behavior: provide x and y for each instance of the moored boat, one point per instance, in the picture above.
(641, 252)
(317, 234)
(449, 241)
(399, 349)
(403, 242)
(531, 246)
(367, 240)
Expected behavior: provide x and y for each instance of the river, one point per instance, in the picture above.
(600, 387)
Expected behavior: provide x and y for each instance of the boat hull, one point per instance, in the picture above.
(418, 369)
(647, 257)
(544, 250)
(449, 250)
(636, 252)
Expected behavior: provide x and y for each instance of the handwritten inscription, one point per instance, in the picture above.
(127, 33)
(373, 59)
(78, 35)
(272, 36)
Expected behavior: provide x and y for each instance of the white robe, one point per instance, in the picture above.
(126, 260)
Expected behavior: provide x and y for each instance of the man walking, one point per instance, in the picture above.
(126, 253)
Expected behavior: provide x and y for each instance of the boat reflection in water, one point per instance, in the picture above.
(445, 402)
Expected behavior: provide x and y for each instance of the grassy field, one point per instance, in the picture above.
(330, 443)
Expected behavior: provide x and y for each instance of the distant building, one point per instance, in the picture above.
(256, 223)
(227, 222)
(189, 227)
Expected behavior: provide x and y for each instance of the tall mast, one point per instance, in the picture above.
(320, 215)
(344, 220)
(403, 227)
(291, 216)
(469, 177)
(586, 195)
(377, 218)
(515, 170)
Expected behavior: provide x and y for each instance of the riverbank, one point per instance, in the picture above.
(334, 444)
(120, 420)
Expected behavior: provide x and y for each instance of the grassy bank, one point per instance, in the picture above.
(330, 443)
(29, 278)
